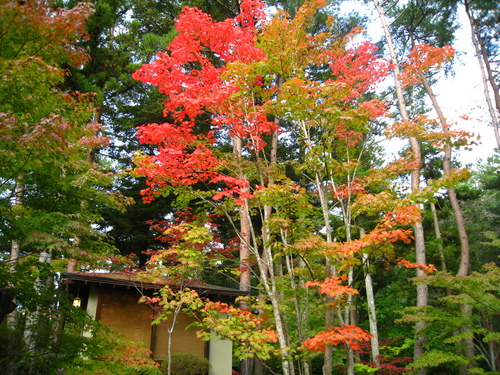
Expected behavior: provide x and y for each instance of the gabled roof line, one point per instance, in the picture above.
(132, 280)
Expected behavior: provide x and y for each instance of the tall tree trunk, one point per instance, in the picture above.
(372, 314)
(245, 238)
(301, 309)
(245, 235)
(329, 272)
(288, 365)
(349, 312)
(486, 73)
(15, 252)
(418, 229)
(268, 279)
(452, 195)
(265, 263)
(437, 233)
(329, 268)
(463, 270)
(15, 249)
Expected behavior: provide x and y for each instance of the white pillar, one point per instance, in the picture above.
(92, 305)
(220, 357)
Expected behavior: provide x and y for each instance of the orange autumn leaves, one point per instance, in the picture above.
(345, 334)
(422, 59)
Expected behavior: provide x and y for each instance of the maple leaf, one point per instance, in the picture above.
(426, 268)
(332, 286)
(347, 334)
(423, 58)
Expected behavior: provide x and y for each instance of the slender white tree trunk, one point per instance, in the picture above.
(15, 248)
(418, 229)
(437, 233)
(452, 195)
(329, 272)
(32, 318)
(463, 270)
(486, 74)
(372, 313)
(265, 263)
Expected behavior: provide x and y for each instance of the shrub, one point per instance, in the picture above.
(149, 370)
(187, 364)
(109, 368)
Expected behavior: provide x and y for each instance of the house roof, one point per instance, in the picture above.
(141, 281)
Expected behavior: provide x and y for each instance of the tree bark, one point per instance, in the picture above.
(486, 74)
(329, 271)
(418, 229)
(15, 248)
(372, 314)
(245, 238)
(437, 233)
(463, 270)
(33, 320)
(452, 195)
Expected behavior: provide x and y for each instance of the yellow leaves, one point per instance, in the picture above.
(447, 181)
(404, 129)
(288, 199)
(286, 42)
(310, 244)
(373, 204)
(429, 130)
(246, 330)
(451, 179)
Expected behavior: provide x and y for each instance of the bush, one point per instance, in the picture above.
(187, 364)
(110, 368)
(149, 370)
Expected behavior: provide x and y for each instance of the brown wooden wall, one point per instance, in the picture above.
(118, 309)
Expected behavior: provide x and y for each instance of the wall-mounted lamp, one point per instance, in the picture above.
(77, 302)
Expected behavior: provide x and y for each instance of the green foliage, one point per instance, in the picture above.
(395, 351)
(251, 334)
(362, 369)
(43, 146)
(108, 355)
(435, 358)
(187, 364)
(60, 344)
(50, 191)
(104, 368)
(464, 312)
